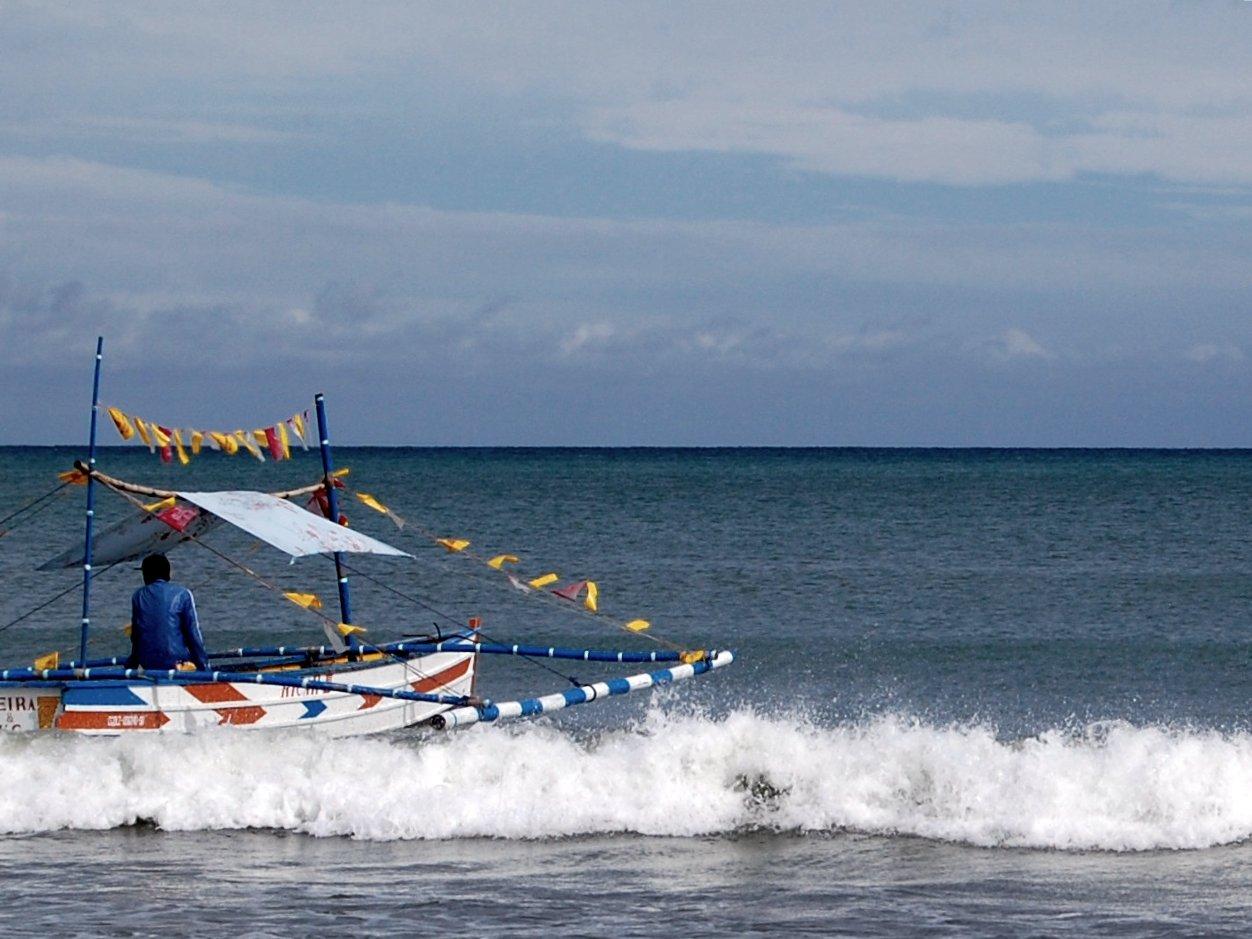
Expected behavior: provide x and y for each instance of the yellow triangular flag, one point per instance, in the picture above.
(283, 441)
(297, 424)
(161, 437)
(74, 477)
(591, 601)
(247, 443)
(696, 655)
(500, 560)
(259, 436)
(638, 625)
(310, 601)
(347, 629)
(122, 423)
(367, 499)
(51, 660)
(543, 580)
(141, 428)
(178, 448)
(453, 544)
(163, 504)
(197, 440)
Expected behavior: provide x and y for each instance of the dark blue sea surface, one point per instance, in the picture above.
(976, 692)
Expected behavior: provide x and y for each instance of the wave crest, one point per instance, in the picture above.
(1109, 786)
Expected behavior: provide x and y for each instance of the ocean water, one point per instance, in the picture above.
(977, 693)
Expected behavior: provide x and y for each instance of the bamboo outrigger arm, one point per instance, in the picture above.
(140, 490)
(583, 694)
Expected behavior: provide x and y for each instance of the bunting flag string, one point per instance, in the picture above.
(587, 590)
(184, 443)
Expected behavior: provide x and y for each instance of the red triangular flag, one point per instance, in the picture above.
(321, 500)
(272, 441)
(572, 591)
(167, 449)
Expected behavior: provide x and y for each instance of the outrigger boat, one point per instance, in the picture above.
(348, 686)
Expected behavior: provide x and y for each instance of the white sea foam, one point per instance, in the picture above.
(1111, 786)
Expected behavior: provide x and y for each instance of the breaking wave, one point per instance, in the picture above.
(1109, 786)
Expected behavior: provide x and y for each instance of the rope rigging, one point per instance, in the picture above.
(34, 507)
(68, 590)
(451, 619)
(462, 548)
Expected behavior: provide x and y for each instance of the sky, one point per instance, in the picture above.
(705, 224)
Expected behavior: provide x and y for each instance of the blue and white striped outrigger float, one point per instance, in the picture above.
(348, 687)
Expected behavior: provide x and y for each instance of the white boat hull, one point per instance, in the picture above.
(112, 708)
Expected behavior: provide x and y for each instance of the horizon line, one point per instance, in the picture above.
(1181, 448)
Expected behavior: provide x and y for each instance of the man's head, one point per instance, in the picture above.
(156, 567)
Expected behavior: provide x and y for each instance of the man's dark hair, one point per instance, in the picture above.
(156, 567)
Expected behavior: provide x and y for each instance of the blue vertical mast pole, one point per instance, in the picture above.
(91, 503)
(332, 501)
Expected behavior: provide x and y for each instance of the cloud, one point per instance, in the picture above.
(1019, 344)
(963, 94)
(149, 239)
(397, 304)
(1012, 343)
(463, 196)
(1205, 352)
(587, 335)
(836, 141)
(937, 148)
(158, 255)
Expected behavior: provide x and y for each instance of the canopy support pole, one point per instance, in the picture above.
(332, 501)
(91, 501)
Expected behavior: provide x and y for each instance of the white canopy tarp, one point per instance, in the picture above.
(286, 526)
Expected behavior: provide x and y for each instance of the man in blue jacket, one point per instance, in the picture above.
(164, 631)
